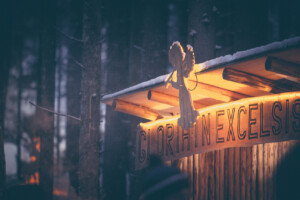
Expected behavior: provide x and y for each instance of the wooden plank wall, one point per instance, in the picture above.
(236, 173)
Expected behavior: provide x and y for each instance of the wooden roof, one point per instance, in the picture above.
(269, 69)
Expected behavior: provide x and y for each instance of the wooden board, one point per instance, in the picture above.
(242, 123)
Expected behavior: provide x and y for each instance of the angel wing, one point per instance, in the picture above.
(189, 61)
(176, 55)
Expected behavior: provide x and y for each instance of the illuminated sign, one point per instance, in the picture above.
(241, 123)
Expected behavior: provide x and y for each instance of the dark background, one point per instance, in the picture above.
(65, 55)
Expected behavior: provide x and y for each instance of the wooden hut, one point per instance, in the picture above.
(249, 118)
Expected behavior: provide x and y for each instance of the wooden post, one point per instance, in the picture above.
(266, 153)
(210, 176)
(275, 164)
(196, 177)
(260, 171)
(248, 172)
(190, 170)
(288, 69)
(254, 172)
(217, 174)
(243, 173)
(203, 171)
(226, 174)
(231, 173)
(137, 110)
(237, 173)
(254, 81)
(221, 184)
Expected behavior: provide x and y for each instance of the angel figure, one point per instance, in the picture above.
(183, 63)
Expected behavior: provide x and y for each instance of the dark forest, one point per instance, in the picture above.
(59, 58)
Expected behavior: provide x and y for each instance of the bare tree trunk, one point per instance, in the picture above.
(201, 29)
(16, 54)
(47, 96)
(18, 58)
(5, 45)
(136, 50)
(147, 59)
(154, 60)
(178, 22)
(117, 125)
(57, 117)
(73, 94)
(19, 125)
(89, 162)
(2, 164)
(2, 161)
(249, 30)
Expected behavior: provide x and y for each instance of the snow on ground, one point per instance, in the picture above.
(10, 150)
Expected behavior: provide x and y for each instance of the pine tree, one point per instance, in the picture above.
(117, 127)
(5, 45)
(73, 92)
(201, 29)
(89, 162)
(46, 95)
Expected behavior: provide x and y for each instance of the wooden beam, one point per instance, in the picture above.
(254, 81)
(217, 93)
(289, 70)
(163, 98)
(137, 110)
(168, 99)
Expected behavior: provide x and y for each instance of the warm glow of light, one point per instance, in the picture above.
(202, 91)
(212, 94)
(253, 100)
(38, 143)
(215, 77)
(33, 158)
(172, 78)
(34, 179)
(198, 68)
(58, 192)
(234, 103)
(150, 124)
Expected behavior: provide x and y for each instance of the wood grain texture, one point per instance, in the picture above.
(221, 178)
(211, 174)
(203, 174)
(196, 177)
(289, 69)
(242, 124)
(254, 173)
(218, 90)
(226, 173)
(243, 174)
(168, 99)
(275, 162)
(231, 173)
(260, 171)
(248, 172)
(140, 111)
(266, 172)
(217, 174)
(237, 173)
(254, 81)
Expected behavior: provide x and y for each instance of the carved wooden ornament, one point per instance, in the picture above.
(183, 64)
